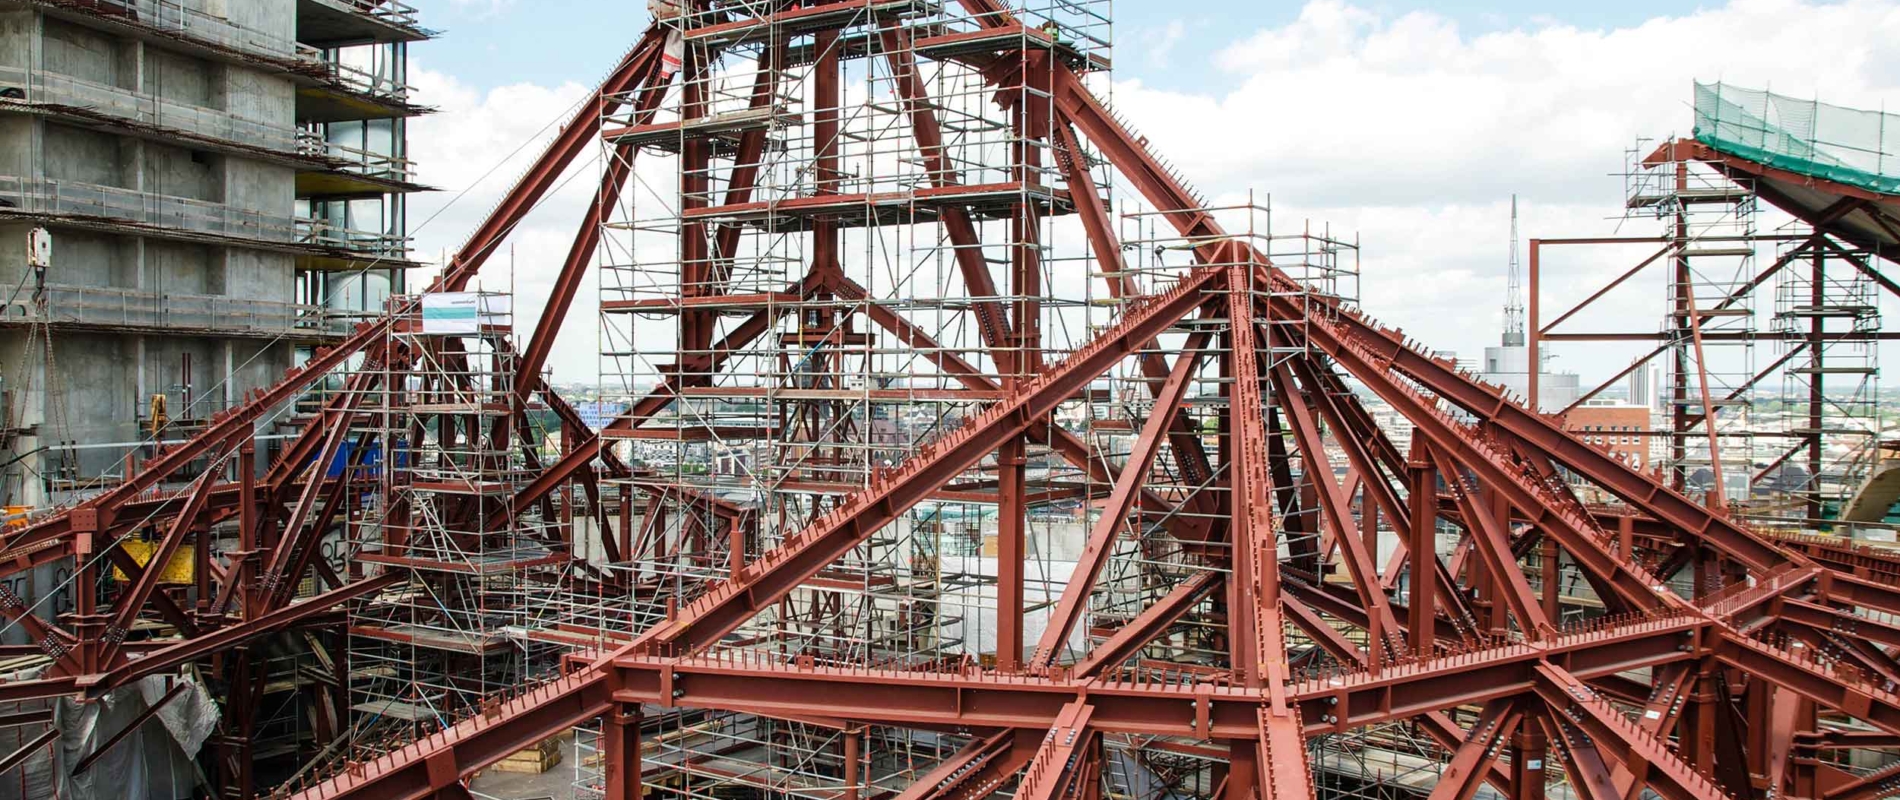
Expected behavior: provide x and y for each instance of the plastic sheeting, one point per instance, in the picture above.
(34, 779)
(156, 762)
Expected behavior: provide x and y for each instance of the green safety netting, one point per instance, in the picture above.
(1848, 145)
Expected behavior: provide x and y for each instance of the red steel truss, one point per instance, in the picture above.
(1604, 650)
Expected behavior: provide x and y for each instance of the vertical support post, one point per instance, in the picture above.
(853, 745)
(87, 624)
(735, 547)
(1242, 643)
(1697, 734)
(1376, 634)
(1243, 770)
(1011, 557)
(627, 494)
(1423, 478)
(1533, 333)
(243, 571)
(1817, 380)
(1679, 333)
(696, 329)
(1806, 765)
(620, 749)
(1528, 749)
(234, 745)
(1553, 581)
(1476, 575)
(1369, 521)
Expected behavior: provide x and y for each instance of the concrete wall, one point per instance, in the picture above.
(183, 79)
(83, 155)
(257, 274)
(84, 53)
(99, 373)
(182, 268)
(277, 18)
(256, 364)
(183, 172)
(18, 29)
(12, 263)
(259, 186)
(165, 368)
(257, 96)
(80, 258)
(18, 156)
(103, 381)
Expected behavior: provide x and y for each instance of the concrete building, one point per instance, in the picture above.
(222, 183)
(1508, 365)
(1620, 428)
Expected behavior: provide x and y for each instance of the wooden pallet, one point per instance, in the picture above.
(532, 760)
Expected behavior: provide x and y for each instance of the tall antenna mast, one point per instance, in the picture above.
(1514, 295)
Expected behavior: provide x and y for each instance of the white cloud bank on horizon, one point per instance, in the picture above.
(1400, 127)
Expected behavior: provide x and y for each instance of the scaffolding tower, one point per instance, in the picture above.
(448, 462)
(793, 280)
(1762, 375)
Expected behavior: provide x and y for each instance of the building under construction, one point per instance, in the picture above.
(959, 448)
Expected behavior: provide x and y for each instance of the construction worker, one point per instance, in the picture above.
(1053, 30)
(155, 414)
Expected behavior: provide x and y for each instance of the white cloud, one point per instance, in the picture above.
(474, 150)
(1403, 128)
(1415, 134)
(1160, 44)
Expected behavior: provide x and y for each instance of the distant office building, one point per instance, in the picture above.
(1508, 365)
(1644, 382)
(1621, 428)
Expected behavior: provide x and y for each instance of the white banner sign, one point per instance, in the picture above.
(451, 312)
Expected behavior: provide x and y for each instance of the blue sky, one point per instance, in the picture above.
(489, 43)
(1410, 124)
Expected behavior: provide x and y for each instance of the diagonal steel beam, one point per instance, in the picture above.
(1114, 512)
(730, 603)
(1588, 772)
(1578, 532)
(1370, 351)
(1651, 761)
(961, 769)
(1336, 508)
(1149, 625)
(1066, 444)
(128, 605)
(1494, 547)
(229, 636)
(1061, 760)
(1478, 751)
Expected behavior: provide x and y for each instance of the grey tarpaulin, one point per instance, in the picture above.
(33, 779)
(156, 762)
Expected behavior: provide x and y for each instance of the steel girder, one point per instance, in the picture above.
(1542, 676)
(279, 539)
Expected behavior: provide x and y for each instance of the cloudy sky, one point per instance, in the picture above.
(1410, 123)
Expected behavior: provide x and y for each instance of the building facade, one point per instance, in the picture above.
(1509, 366)
(223, 185)
(1620, 428)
